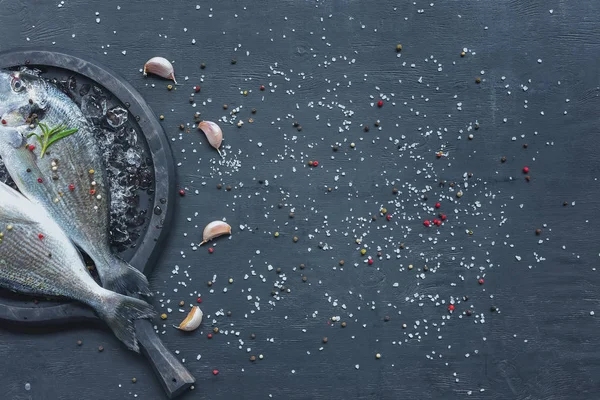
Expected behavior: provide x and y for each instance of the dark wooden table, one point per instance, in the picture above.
(326, 64)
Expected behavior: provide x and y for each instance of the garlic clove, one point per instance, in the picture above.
(192, 321)
(160, 66)
(213, 133)
(215, 229)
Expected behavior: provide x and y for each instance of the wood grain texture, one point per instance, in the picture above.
(542, 345)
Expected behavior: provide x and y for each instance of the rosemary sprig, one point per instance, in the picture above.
(50, 136)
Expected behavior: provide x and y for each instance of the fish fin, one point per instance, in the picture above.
(11, 137)
(120, 312)
(119, 276)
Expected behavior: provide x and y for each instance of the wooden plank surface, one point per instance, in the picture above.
(541, 344)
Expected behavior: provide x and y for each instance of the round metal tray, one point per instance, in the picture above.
(142, 252)
(157, 201)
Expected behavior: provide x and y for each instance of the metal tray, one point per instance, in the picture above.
(157, 201)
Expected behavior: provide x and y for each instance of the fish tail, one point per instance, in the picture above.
(120, 313)
(119, 276)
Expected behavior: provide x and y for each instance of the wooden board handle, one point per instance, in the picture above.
(174, 377)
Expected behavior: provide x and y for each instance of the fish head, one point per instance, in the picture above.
(17, 97)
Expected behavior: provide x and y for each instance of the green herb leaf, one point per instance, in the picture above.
(50, 136)
(60, 135)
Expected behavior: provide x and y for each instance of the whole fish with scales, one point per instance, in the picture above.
(59, 165)
(37, 258)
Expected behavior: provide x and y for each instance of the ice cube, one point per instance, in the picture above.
(133, 157)
(93, 106)
(116, 116)
(127, 136)
(119, 235)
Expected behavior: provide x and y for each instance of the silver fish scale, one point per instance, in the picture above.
(49, 261)
(61, 181)
(75, 156)
(37, 257)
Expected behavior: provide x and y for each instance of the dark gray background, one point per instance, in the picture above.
(543, 342)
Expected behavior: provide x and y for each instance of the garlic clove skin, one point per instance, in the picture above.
(213, 133)
(215, 229)
(192, 321)
(160, 66)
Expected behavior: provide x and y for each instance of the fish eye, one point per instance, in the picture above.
(16, 84)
